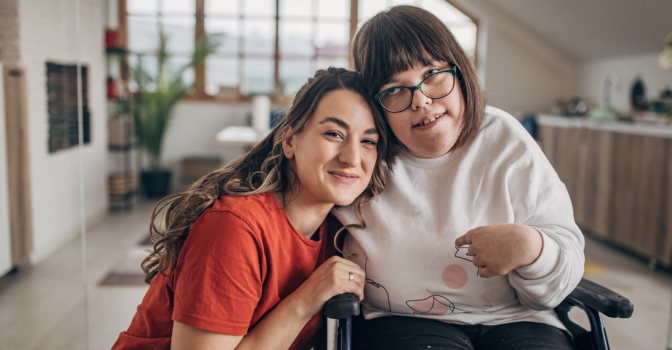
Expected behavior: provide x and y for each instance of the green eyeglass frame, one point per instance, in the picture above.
(452, 71)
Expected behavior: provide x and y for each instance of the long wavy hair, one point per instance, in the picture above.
(264, 168)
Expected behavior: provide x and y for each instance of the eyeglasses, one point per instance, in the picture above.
(398, 98)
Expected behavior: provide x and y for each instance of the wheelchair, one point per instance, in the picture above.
(591, 297)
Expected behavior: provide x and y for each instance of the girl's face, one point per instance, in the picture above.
(335, 153)
(435, 138)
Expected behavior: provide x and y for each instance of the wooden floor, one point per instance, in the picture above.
(43, 307)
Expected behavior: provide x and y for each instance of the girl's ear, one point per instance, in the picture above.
(288, 144)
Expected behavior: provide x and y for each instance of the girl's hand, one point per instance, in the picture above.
(499, 249)
(332, 278)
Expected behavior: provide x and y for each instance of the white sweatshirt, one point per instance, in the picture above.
(413, 267)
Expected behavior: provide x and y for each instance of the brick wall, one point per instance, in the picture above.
(9, 31)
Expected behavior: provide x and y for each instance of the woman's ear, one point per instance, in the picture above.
(288, 144)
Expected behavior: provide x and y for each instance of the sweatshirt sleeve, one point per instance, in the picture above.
(542, 202)
(546, 282)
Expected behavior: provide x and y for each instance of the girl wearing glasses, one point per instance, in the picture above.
(473, 242)
(245, 258)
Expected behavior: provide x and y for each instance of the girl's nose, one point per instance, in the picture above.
(419, 100)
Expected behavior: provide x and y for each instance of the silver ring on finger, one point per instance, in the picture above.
(351, 276)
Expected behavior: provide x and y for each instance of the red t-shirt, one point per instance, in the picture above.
(241, 258)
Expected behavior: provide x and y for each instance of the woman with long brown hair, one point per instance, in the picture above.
(245, 258)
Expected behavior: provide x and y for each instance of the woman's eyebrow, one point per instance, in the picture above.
(346, 126)
(371, 131)
(336, 121)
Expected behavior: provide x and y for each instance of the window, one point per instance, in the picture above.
(463, 27)
(245, 59)
(268, 46)
(177, 19)
(314, 34)
(311, 34)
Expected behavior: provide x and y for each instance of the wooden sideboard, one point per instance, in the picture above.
(619, 177)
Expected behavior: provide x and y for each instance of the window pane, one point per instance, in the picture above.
(143, 34)
(177, 63)
(181, 7)
(333, 9)
(368, 8)
(259, 37)
(324, 63)
(295, 39)
(257, 76)
(444, 11)
(149, 65)
(142, 7)
(230, 31)
(260, 8)
(405, 2)
(295, 8)
(179, 33)
(220, 71)
(221, 7)
(332, 39)
(293, 74)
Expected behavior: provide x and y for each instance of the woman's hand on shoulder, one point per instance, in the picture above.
(499, 249)
(330, 279)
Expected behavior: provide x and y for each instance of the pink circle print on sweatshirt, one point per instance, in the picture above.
(454, 276)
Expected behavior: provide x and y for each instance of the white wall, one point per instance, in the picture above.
(521, 71)
(193, 129)
(47, 33)
(593, 74)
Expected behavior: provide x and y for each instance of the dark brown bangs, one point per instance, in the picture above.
(402, 42)
(404, 37)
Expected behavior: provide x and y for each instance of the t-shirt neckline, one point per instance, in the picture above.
(304, 239)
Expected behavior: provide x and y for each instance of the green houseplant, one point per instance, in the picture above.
(151, 108)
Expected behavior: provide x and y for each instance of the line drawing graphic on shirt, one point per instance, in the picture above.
(438, 303)
(462, 252)
(377, 285)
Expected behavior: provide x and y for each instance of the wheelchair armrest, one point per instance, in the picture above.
(342, 306)
(606, 301)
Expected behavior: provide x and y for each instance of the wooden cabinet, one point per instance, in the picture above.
(620, 185)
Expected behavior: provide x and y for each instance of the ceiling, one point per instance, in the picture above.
(590, 29)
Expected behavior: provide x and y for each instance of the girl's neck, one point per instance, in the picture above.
(305, 215)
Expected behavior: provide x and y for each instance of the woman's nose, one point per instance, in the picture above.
(350, 154)
(419, 100)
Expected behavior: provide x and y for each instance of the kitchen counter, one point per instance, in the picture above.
(619, 177)
(635, 128)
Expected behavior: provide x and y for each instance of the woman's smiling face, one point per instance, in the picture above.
(335, 153)
(443, 116)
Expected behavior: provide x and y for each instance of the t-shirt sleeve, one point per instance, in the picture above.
(219, 275)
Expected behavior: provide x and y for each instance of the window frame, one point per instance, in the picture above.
(199, 93)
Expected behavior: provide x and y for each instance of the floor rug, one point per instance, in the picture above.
(127, 271)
